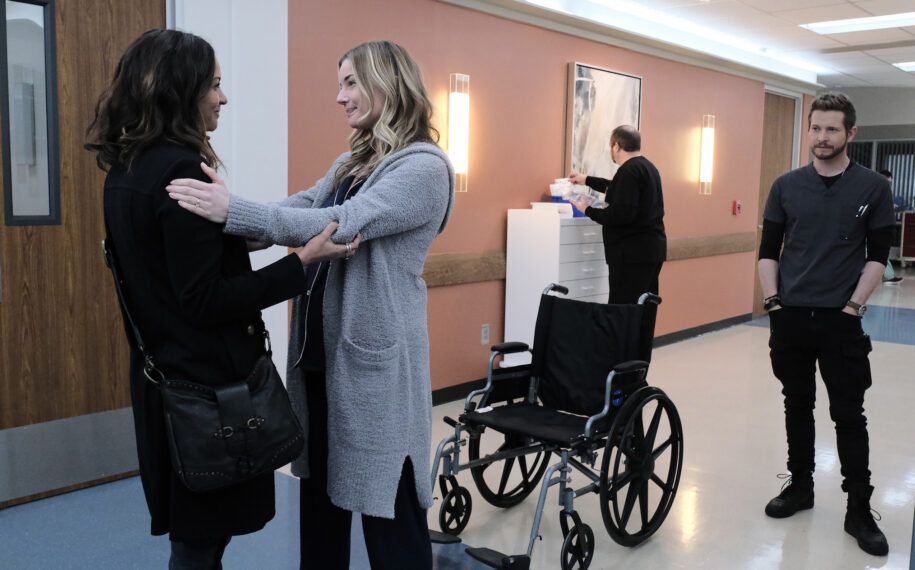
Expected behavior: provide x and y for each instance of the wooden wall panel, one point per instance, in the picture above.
(62, 348)
(778, 143)
(443, 269)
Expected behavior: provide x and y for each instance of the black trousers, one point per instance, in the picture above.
(399, 544)
(801, 338)
(198, 554)
(629, 280)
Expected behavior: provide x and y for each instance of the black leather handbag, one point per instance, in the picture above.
(220, 436)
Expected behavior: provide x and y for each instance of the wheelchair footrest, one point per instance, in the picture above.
(443, 538)
(501, 561)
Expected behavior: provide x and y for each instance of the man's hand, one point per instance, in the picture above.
(577, 178)
(580, 203)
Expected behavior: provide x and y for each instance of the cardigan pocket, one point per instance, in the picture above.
(371, 371)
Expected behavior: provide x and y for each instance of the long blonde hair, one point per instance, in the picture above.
(406, 116)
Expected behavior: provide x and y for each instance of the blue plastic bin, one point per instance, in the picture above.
(576, 213)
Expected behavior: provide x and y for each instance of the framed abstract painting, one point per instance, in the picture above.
(599, 101)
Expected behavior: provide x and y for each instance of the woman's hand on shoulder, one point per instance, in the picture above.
(322, 248)
(208, 200)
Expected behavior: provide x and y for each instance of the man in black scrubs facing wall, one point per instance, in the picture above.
(835, 219)
(635, 244)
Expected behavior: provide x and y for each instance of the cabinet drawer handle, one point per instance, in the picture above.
(589, 234)
(587, 287)
(587, 270)
(588, 251)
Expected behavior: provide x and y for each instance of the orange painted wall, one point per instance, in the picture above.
(518, 100)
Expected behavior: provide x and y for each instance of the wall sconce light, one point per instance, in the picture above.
(459, 127)
(707, 154)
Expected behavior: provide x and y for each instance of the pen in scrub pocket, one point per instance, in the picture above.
(861, 210)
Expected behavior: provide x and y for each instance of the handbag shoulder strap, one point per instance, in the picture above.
(149, 367)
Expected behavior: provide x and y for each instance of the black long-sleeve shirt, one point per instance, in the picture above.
(633, 221)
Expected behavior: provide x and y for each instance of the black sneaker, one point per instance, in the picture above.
(796, 495)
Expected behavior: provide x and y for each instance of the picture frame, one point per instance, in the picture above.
(599, 100)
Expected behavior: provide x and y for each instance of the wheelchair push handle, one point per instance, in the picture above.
(555, 287)
(649, 298)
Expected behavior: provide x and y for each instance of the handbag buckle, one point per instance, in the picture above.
(255, 423)
(224, 432)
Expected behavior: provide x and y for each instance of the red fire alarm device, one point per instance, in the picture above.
(736, 207)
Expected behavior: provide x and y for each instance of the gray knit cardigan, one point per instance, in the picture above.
(375, 337)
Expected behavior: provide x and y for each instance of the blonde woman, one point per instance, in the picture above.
(359, 347)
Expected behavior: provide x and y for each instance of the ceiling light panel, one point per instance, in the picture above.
(861, 24)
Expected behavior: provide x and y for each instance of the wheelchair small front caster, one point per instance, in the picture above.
(454, 513)
(578, 545)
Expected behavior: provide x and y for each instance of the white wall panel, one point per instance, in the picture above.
(251, 43)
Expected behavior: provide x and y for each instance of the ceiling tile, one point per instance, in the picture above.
(841, 80)
(821, 14)
(789, 38)
(884, 7)
(718, 11)
(894, 55)
(780, 5)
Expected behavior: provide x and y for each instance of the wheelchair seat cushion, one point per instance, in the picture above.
(537, 422)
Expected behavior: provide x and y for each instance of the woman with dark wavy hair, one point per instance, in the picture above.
(359, 346)
(189, 287)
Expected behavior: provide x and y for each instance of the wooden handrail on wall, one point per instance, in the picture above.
(444, 269)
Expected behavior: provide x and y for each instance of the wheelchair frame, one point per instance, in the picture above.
(581, 455)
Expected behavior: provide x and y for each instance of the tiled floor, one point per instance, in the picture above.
(730, 407)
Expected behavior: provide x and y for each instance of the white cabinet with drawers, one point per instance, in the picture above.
(543, 248)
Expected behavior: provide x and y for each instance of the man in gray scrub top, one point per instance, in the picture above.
(835, 219)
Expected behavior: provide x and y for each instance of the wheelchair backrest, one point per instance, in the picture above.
(576, 344)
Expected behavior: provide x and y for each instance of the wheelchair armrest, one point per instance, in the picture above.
(630, 366)
(510, 347)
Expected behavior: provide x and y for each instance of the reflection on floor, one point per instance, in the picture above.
(730, 407)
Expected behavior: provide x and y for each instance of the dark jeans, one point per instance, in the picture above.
(198, 554)
(399, 544)
(800, 338)
(629, 280)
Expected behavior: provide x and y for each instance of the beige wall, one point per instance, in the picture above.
(518, 100)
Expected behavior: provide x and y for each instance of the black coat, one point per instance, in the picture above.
(197, 304)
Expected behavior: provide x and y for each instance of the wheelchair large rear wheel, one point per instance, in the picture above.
(505, 483)
(641, 466)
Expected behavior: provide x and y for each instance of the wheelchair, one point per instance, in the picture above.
(584, 398)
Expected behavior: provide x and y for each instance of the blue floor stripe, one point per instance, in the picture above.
(107, 526)
(884, 324)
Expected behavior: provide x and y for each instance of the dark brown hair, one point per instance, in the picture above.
(154, 97)
(627, 137)
(835, 102)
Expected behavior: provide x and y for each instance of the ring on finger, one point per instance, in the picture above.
(198, 203)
